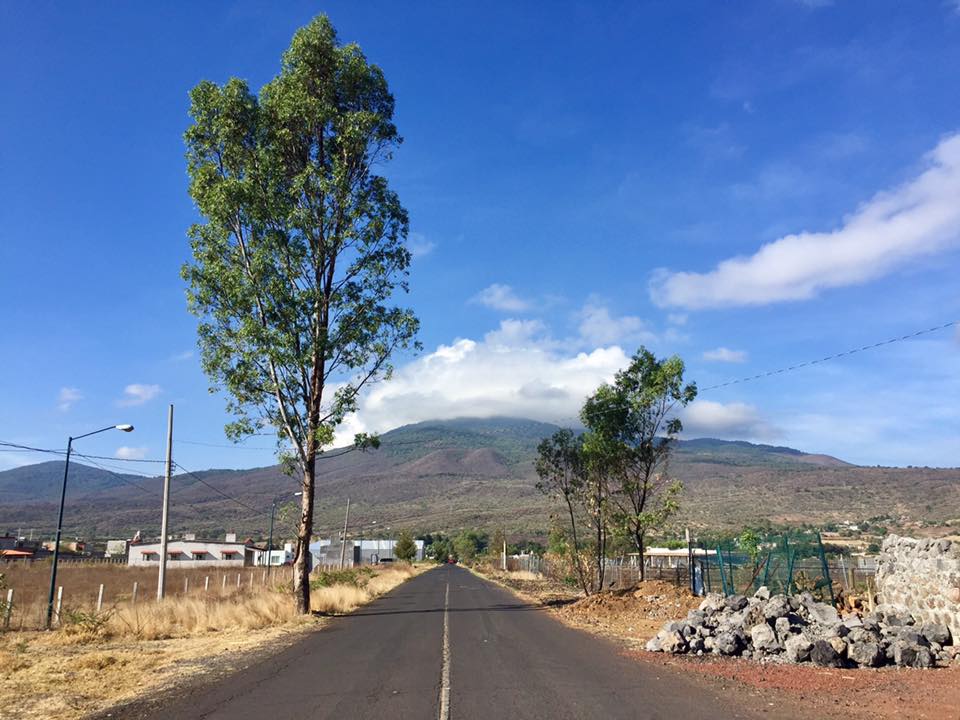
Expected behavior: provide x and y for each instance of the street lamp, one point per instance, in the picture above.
(273, 509)
(63, 497)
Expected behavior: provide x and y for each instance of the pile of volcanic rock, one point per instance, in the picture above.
(798, 628)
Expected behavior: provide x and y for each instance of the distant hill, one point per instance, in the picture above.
(444, 475)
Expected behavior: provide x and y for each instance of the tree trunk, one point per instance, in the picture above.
(577, 560)
(639, 539)
(301, 564)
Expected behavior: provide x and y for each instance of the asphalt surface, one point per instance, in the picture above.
(446, 644)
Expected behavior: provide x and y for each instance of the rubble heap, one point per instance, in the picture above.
(798, 628)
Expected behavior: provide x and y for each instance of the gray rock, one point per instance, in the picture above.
(672, 642)
(762, 593)
(776, 607)
(894, 616)
(736, 602)
(797, 648)
(905, 653)
(653, 644)
(727, 643)
(822, 614)
(852, 622)
(865, 654)
(763, 638)
(863, 635)
(839, 645)
(712, 603)
(824, 654)
(936, 633)
(924, 658)
(783, 628)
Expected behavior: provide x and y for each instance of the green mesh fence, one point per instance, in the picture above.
(789, 564)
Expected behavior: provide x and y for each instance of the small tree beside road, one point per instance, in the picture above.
(632, 425)
(406, 548)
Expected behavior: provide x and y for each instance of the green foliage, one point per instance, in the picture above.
(83, 621)
(405, 548)
(631, 427)
(495, 548)
(749, 542)
(440, 549)
(302, 246)
(468, 544)
(356, 576)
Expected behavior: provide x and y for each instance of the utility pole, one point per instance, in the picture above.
(343, 540)
(162, 580)
(273, 510)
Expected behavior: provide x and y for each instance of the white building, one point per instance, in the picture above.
(366, 552)
(276, 557)
(195, 553)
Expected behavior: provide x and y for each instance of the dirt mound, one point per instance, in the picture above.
(634, 614)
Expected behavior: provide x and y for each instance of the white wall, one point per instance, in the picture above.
(193, 554)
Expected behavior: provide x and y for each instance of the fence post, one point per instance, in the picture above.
(224, 581)
(251, 581)
(100, 598)
(136, 585)
(8, 610)
(186, 585)
(238, 579)
(206, 583)
(59, 603)
(263, 580)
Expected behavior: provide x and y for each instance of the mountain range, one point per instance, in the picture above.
(451, 474)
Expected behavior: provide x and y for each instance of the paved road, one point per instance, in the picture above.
(446, 644)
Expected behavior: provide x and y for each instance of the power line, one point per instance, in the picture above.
(845, 353)
(791, 368)
(218, 490)
(119, 477)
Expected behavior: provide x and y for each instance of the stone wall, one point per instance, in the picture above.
(922, 577)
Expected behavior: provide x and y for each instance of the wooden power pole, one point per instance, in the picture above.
(343, 540)
(162, 580)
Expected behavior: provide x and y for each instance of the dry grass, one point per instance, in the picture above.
(95, 661)
(81, 583)
(523, 575)
(341, 598)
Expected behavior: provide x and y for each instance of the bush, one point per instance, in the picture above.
(406, 549)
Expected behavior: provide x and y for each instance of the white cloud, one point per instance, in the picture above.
(722, 354)
(921, 217)
(677, 318)
(138, 394)
(517, 333)
(131, 453)
(67, 397)
(180, 357)
(598, 327)
(501, 297)
(419, 245)
(736, 420)
(514, 371)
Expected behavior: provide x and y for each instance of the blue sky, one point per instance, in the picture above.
(749, 187)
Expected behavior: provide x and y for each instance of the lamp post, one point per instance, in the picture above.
(273, 510)
(63, 497)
